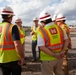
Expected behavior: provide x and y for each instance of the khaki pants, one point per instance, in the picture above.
(52, 67)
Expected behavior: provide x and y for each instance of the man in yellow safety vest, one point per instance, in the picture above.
(60, 19)
(11, 49)
(21, 30)
(34, 31)
(52, 45)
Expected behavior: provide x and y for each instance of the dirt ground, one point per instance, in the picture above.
(34, 68)
(30, 68)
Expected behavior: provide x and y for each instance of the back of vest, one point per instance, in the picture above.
(7, 48)
(53, 37)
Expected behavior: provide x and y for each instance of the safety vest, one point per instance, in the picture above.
(53, 38)
(22, 35)
(34, 36)
(66, 28)
(7, 49)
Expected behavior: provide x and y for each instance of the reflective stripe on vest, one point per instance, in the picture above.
(66, 28)
(54, 47)
(7, 40)
(8, 43)
(6, 47)
(44, 36)
(22, 35)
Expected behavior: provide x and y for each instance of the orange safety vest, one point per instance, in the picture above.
(66, 28)
(7, 49)
(50, 33)
(22, 35)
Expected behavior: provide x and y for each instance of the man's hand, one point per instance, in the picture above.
(21, 62)
(32, 33)
(69, 45)
(59, 55)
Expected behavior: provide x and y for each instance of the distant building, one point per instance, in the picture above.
(27, 30)
(72, 28)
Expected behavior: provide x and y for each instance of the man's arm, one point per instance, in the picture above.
(46, 50)
(18, 46)
(42, 47)
(32, 31)
(66, 41)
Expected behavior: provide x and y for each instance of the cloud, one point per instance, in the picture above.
(27, 9)
(67, 7)
(0, 0)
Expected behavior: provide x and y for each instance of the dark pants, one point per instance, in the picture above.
(34, 44)
(39, 52)
(12, 68)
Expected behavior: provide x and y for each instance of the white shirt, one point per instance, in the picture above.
(40, 41)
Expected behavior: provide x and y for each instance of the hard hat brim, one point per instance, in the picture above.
(44, 18)
(60, 19)
(7, 14)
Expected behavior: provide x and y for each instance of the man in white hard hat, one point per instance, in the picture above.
(21, 30)
(34, 30)
(54, 18)
(52, 45)
(61, 22)
(11, 49)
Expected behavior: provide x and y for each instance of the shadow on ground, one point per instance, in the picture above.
(31, 66)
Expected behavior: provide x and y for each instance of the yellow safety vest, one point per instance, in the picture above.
(7, 48)
(34, 36)
(53, 38)
(66, 28)
(22, 35)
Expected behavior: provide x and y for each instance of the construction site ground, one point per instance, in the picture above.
(34, 68)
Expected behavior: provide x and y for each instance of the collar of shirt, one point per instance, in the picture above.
(6, 21)
(49, 24)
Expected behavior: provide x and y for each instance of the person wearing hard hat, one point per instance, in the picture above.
(21, 31)
(34, 31)
(52, 45)
(61, 22)
(54, 19)
(11, 49)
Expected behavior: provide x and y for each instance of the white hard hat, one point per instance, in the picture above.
(7, 10)
(34, 19)
(18, 20)
(44, 15)
(54, 17)
(60, 17)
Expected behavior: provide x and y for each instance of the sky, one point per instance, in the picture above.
(28, 9)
